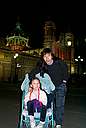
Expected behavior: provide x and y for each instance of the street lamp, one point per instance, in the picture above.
(78, 60)
(15, 57)
(69, 43)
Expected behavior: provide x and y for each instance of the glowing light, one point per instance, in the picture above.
(69, 43)
(76, 59)
(16, 55)
(81, 59)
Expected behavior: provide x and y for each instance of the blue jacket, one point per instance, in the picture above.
(46, 83)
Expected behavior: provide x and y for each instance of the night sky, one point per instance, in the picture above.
(32, 14)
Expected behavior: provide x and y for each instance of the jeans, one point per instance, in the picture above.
(59, 101)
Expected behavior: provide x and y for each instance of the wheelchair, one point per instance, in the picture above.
(24, 120)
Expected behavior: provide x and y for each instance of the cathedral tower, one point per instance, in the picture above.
(49, 34)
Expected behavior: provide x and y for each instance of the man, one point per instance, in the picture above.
(58, 72)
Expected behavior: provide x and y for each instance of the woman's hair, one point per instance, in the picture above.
(48, 50)
(45, 51)
(43, 65)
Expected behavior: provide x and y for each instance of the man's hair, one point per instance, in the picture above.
(45, 51)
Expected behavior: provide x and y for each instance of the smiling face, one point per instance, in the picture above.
(48, 58)
(35, 84)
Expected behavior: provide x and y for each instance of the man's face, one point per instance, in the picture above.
(48, 58)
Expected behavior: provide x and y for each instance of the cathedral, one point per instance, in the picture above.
(17, 57)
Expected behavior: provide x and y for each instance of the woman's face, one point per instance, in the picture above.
(48, 58)
(35, 84)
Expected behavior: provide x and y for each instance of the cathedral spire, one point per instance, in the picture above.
(18, 24)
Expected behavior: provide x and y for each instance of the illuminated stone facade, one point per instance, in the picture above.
(15, 68)
(62, 50)
(17, 43)
(49, 34)
(17, 40)
(60, 47)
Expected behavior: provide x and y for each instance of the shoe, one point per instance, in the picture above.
(32, 122)
(32, 125)
(40, 125)
(58, 126)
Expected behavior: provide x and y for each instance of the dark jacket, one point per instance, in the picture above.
(58, 71)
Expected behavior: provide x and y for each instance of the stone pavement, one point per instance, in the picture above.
(75, 108)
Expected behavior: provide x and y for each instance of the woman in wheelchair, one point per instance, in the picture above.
(36, 101)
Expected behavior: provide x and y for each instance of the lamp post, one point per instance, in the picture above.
(69, 43)
(16, 75)
(78, 60)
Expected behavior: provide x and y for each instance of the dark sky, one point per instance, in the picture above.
(69, 16)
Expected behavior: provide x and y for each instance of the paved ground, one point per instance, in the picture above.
(8, 110)
(75, 109)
